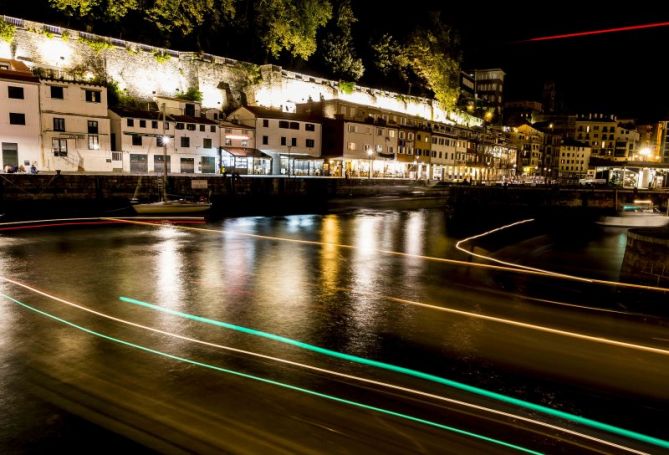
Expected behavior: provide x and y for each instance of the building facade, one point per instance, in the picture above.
(19, 117)
(490, 89)
(574, 160)
(292, 141)
(76, 133)
(146, 141)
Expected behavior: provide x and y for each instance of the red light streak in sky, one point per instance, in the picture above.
(601, 32)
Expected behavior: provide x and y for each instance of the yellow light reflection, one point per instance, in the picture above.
(330, 233)
(169, 268)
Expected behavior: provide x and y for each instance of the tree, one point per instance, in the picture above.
(429, 58)
(290, 25)
(432, 59)
(185, 16)
(338, 50)
(110, 10)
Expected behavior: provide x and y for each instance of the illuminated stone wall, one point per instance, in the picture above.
(145, 71)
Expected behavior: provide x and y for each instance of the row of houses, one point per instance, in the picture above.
(64, 123)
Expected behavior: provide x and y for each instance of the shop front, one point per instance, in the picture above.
(245, 161)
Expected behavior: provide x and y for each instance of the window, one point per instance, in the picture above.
(265, 140)
(93, 142)
(379, 148)
(166, 126)
(401, 134)
(309, 127)
(283, 140)
(294, 126)
(410, 136)
(212, 129)
(154, 124)
(190, 127)
(379, 131)
(351, 128)
(17, 119)
(265, 123)
(245, 143)
(92, 127)
(391, 133)
(142, 123)
(351, 146)
(15, 92)
(131, 122)
(59, 147)
(185, 141)
(283, 124)
(160, 141)
(189, 109)
(310, 143)
(293, 142)
(228, 142)
(58, 124)
(206, 143)
(202, 127)
(180, 126)
(93, 96)
(136, 139)
(57, 92)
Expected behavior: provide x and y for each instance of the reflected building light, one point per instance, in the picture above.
(168, 270)
(330, 235)
(414, 234)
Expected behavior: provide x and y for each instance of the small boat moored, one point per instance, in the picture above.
(641, 213)
(171, 207)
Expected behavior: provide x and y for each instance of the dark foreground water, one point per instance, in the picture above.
(61, 388)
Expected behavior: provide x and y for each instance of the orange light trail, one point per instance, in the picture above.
(628, 28)
(324, 370)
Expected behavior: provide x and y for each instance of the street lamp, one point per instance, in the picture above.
(369, 154)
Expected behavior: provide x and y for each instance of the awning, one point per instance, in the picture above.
(245, 152)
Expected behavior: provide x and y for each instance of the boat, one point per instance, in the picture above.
(166, 206)
(641, 213)
(171, 207)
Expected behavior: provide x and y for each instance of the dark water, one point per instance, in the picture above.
(355, 300)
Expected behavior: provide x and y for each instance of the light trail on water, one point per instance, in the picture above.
(323, 370)
(418, 374)
(277, 383)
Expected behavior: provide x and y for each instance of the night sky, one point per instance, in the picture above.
(622, 73)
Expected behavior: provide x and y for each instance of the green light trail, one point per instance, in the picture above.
(415, 373)
(276, 383)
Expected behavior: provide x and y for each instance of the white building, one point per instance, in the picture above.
(19, 116)
(75, 127)
(141, 139)
(238, 152)
(293, 141)
(574, 160)
(443, 157)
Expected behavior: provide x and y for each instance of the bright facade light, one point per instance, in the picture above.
(166, 140)
(645, 151)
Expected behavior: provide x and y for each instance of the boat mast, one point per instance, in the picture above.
(164, 158)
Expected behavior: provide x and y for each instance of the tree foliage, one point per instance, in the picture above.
(429, 57)
(185, 16)
(291, 25)
(337, 47)
(111, 10)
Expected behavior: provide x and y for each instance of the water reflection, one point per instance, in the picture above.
(329, 258)
(168, 269)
